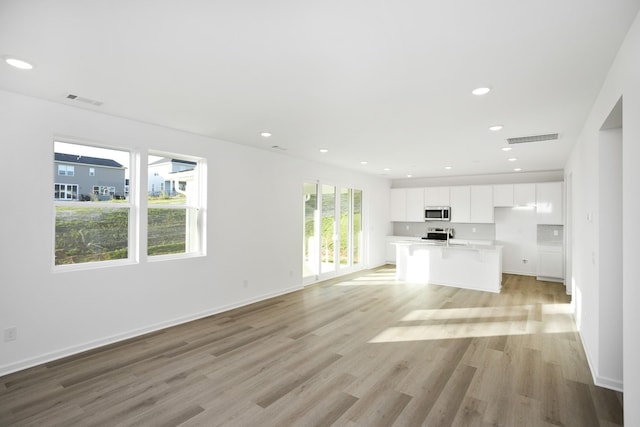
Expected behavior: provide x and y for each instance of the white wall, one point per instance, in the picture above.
(516, 230)
(622, 81)
(254, 233)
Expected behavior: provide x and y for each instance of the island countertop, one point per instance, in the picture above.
(460, 264)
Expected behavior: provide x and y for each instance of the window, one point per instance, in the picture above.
(65, 191)
(103, 190)
(89, 226)
(174, 224)
(66, 170)
(98, 222)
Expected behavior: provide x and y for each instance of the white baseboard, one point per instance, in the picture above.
(69, 351)
(599, 380)
(519, 273)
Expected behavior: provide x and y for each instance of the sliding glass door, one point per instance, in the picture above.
(332, 230)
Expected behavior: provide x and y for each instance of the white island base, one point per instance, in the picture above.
(463, 266)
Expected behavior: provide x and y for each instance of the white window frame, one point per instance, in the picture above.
(67, 170)
(130, 204)
(103, 190)
(66, 191)
(195, 244)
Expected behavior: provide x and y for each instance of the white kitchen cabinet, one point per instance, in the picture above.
(481, 204)
(503, 196)
(415, 205)
(460, 204)
(398, 207)
(437, 196)
(550, 263)
(549, 203)
(407, 205)
(524, 194)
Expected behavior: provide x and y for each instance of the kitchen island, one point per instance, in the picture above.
(468, 266)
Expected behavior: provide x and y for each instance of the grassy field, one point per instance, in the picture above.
(93, 233)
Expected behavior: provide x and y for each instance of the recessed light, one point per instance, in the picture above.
(506, 148)
(409, 176)
(481, 91)
(364, 162)
(512, 159)
(495, 128)
(448, 167)
(324, 150)
(517, 169)
(266, 134)
(18, 63)
(386, 169)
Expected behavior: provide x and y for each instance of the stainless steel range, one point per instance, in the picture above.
(439, 234)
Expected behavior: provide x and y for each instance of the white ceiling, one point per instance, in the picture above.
(386, 81)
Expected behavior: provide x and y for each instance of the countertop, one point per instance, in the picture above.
(452, 244)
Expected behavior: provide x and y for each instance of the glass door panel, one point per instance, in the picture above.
(310, 245)
(356, 236)
(328, 231)
(345, 220)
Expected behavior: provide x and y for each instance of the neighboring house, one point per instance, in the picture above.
(86, 178)
(170, 176)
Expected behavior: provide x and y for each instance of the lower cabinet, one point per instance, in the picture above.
(550, 263)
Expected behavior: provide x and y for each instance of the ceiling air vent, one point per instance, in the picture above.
(533, 138)
(85, 100)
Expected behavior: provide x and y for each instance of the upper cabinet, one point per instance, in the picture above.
(398, 206)
(511, 195)
(472, 204)
(437, 196)
(549, 203)
(460, 204)
(503, 196)
(482, 204)
(415, 205)
(407, 205)
(524, 194)
(476, 203)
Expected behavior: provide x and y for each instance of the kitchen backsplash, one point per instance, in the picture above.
(550, 234)
(462, 231)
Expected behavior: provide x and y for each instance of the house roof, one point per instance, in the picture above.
(87, 160)
(167, 160)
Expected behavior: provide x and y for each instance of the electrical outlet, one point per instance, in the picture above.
(10, 334)
(473, 229)
(555, 232)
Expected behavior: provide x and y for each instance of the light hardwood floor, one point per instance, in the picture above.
(359, 351)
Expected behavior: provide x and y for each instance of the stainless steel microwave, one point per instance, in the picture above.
(437, 213)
